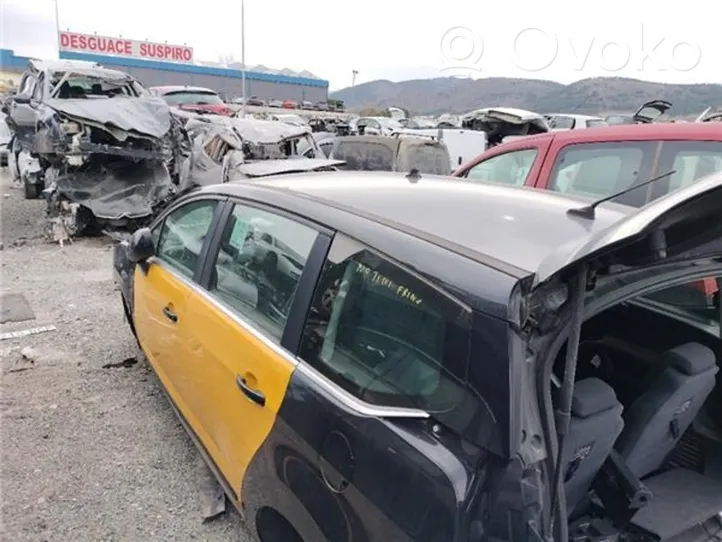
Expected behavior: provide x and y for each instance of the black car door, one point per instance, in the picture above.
(355, 455)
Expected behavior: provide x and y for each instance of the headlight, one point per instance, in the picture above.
(71, 128)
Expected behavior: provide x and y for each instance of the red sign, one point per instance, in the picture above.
(103, 45)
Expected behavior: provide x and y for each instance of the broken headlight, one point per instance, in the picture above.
(70, 128)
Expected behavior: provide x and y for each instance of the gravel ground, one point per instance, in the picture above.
(89, 451)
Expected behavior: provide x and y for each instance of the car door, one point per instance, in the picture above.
(235, 368)
(353, 455)
(21, 111)
(161, 294)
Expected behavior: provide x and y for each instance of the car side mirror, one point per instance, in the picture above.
(141, 247)
(20, 99)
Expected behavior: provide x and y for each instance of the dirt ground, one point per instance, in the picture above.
(91, 450)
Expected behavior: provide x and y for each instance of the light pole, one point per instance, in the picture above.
(243, 56)
(354, 73)
(57, 26)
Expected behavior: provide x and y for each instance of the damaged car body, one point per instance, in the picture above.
(228, 149)
(437, 375)
(107, 152)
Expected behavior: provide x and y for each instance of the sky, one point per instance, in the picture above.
(560, 40)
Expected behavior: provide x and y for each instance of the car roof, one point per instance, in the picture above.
(632, 132)
(574, 116)
(180, 88)
(80, 66)
(490, 223)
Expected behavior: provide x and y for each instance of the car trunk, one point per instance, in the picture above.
(648, 468)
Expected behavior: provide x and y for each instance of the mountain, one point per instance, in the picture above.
(599, 95)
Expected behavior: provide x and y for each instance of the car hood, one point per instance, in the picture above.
(673, 226)
(149, 116)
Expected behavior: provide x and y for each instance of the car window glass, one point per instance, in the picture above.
(511, 168)
(697, 300)
(561, 122)
(383, 334)
(365, 156)
(259, 265)
(38, 91)
(182, 236)
(593, 123)
(690, 160)
(27, 85)
(596, 170)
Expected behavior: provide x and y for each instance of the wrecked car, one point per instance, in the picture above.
(226, 149)
(195, 99)
(398, 152)
(105, 150)
(446, 362)
(648, 113)
(504, 123)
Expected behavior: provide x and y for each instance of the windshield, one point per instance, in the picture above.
(85, 86)
(390, 123)
(431, 159)
(192, 98)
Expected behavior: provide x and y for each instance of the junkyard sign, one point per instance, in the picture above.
(103, 45)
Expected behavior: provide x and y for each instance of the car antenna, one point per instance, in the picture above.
(413, 175)
(588, 210)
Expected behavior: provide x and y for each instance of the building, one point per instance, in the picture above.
(163, 64)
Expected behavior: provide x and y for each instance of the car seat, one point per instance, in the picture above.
(595, 424)
(658, 418)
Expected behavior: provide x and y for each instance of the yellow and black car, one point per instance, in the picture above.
(369, 357)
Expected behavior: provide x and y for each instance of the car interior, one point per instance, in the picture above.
(643, 456)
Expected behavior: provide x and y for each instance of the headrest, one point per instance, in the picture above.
(691, 358)
(592, 396)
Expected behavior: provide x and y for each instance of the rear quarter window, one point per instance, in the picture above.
(690, 160)
(384, 335)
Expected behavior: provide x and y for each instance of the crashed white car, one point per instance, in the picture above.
(104, 146)
(504, 123)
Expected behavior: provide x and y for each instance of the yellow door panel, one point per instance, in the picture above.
(165, 342)
(222, 350)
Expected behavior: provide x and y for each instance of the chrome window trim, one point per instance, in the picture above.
(349, 400)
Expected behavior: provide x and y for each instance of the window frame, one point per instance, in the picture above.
(536, 149)
(381, 409)
(635, 198)
(301, 304)
(203, 254)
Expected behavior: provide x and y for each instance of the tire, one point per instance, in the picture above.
(273, 527)
(32, 190)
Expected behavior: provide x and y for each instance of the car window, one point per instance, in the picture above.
(511, 168)
(27, 85)
(697, 300)
(690, 160)
(38, 91)
(561, 122)
(597, 170)
(383, 334)
(259, 264)
(326, 148)
(182, 235)
(593, 123)
(365, 156)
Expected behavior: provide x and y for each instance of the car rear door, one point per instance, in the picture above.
(236, 368)
(354, 454)
(21, 114)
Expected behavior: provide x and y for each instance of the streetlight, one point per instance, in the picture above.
(243, 56)
(354, 73)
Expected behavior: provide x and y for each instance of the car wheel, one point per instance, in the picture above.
(273, 527)
(32, 190)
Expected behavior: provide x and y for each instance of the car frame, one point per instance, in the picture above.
(311, 459)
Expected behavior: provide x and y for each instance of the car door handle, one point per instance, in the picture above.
(254, 395)
(168, 312)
